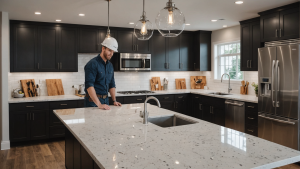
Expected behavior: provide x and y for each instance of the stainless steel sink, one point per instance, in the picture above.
(219, 93)
(170, 121)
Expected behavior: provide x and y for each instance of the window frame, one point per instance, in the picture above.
(218, 56)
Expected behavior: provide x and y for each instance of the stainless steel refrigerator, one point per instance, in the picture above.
(278, 100)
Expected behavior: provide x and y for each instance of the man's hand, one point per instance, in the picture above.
(104, 107)
(117, 104)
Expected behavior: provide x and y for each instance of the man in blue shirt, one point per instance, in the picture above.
(99, 77)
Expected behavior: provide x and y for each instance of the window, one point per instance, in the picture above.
(227, 60)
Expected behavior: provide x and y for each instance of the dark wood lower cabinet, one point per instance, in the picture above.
(19, 126)
(39, 124)
(76, 156)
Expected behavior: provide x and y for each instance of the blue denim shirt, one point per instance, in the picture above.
(99, 75)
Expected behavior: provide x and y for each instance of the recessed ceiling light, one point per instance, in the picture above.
(131, 23)
(58, 20)
(188, 24)
(239, 2)
(224, 26)
(81, 14)
(214, 20)
(37, 13)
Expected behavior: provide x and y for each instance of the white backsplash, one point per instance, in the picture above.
(126, 80)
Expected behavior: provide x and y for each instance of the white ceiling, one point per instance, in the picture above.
(198, 13)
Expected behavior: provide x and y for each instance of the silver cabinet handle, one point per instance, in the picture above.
(250, 118)
(139, 99)
(276, 33)
(280, 32)
(272, 86)
(251, 130)
(200, 106)
(277, 120)
(180, 97)
(196, 97)
(278, 81)
(166, 98)
(63, 104)
(251, 107)
(29, 106)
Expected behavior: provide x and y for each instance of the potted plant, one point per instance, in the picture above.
(255, 88)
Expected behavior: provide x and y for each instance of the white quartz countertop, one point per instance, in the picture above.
(239, 97)
(117, 138)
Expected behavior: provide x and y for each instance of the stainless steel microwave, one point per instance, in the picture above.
(135, 62)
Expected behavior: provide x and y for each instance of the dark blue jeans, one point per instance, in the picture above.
(88, 103)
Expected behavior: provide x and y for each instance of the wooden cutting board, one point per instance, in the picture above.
(25, 87)
(198, 86)
(155, 81)
(180, 83)
(54, 87)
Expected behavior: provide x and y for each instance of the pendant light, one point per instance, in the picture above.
(108, 30)
(170, 21)
(143, 30)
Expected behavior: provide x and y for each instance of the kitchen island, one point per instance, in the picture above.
(117, 138)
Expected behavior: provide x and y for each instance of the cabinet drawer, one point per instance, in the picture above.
(179, 97)
(80, 103)
(57, 131)
(28, 106)
(119, 99)
(251, 107)
(64, 104)
(252, 130)
(251, 118)
(134, 99)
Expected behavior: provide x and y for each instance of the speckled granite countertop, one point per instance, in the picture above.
(117, 138)
(246, 98)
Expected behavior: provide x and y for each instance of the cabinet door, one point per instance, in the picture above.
(219, 116)
(173, 53)
(19, 126)
(23, 48)
(181, 104)
(126, 42)
(143, 46)
(89, 40)
(196, 107)
(68, 53)
(69, 156)
(269, 27)
(289, 24)
(245, 47)
(158, 57)
(255, 44)
(134, 99)
(39, 124)
(48, 49)
(207, 113)
(186, 52)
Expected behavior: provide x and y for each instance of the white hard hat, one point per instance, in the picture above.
(110, 43)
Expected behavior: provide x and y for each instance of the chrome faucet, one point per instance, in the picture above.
(145, 114)
(229, 88)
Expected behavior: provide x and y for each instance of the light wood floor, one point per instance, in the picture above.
(49, 155)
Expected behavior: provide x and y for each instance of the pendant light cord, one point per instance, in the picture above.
(108, 15)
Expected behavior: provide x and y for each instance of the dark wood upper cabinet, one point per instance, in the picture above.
(186, 51)
(143, 46)
(280, 23)
(158, 57)
(89, 41)
(68, 53)
(202, 57)
(47, 49)
(23, 48)
(173, 53)
(128, 43)
(250, 42)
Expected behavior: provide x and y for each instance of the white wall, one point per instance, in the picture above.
(4, 90)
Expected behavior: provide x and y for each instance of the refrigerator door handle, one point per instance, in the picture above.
(277, 120)
(278, 82)
(272, 85)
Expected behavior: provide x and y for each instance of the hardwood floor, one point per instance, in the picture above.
(50, 155)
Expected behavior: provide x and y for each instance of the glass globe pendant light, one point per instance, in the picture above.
(143, 30)
(170, 21)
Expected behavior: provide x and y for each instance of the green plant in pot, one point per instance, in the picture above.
(255, 88)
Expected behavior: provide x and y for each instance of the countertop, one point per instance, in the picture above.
(117, 138)
(239, 97)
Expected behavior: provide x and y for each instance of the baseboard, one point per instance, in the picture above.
(5, 145)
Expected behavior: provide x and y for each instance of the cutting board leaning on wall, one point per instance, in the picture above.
(54, 87)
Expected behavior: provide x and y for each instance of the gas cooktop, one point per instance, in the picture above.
(136, 92)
